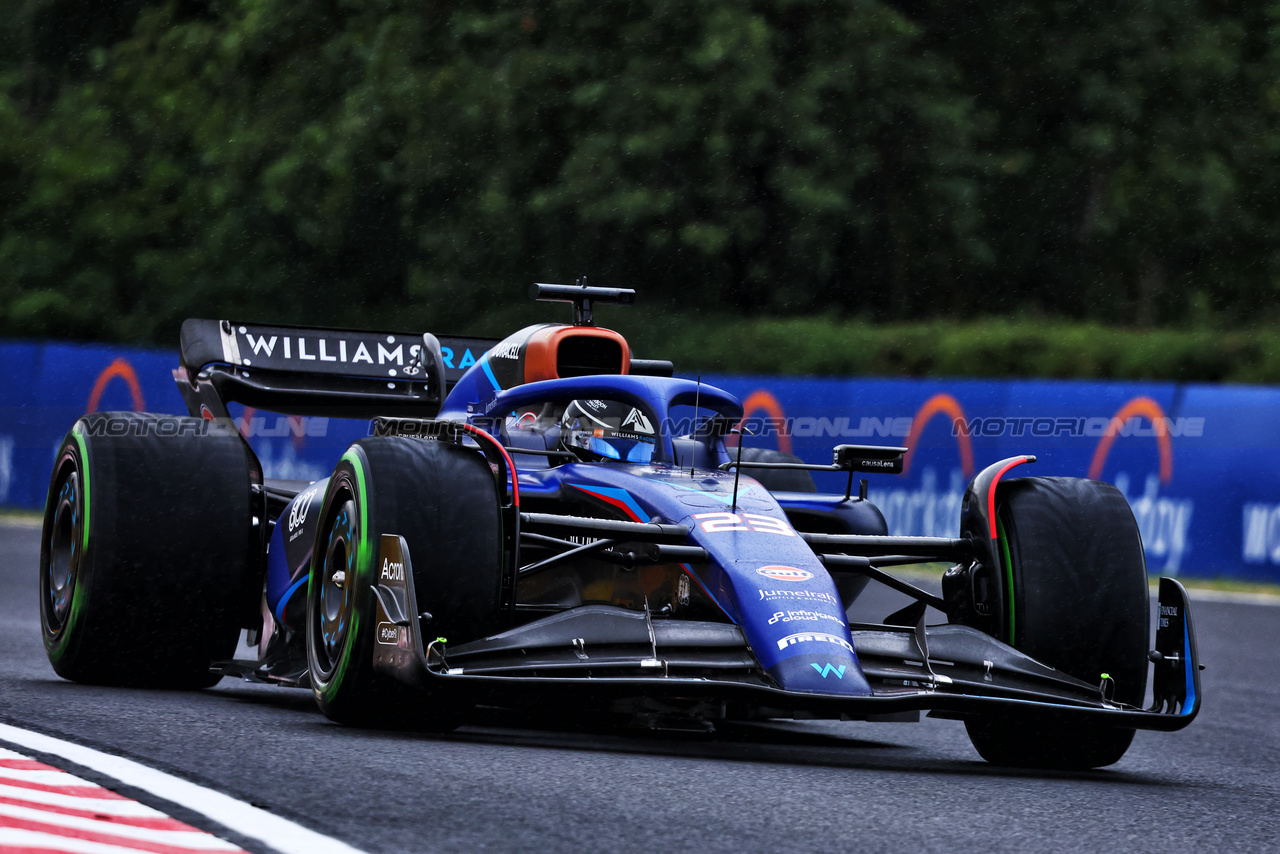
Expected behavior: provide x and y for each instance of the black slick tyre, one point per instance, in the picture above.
(1074, 596)
(148, 552)
(443, 500)
(776, 480)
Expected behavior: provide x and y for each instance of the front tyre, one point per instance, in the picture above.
(1075, 597)
(443, 500)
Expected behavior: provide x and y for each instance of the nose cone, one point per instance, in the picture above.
(821, 674)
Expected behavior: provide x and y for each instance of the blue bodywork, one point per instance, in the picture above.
(762, 575)
(574, 579)
(289, 550)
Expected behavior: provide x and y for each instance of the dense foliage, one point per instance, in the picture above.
(825, 345)
(402, 163)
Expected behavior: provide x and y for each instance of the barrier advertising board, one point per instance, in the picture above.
(1199, 464)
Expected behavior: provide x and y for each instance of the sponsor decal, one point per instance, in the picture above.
(388, 633)
(311, 348)
(466, 360)
(785, 573)
(301, 506)
(1166, 612)
(804, 595)
(682, 590)
(509, 350)
(391, 571)
(829, 668)
(636, 419)
(260, 345)
(814, 637)
(803, 616)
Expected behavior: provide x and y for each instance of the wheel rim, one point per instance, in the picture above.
(337, 586)
(59, 578)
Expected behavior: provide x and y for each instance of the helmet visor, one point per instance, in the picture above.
(623, 450)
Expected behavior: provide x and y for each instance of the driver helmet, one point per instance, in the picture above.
(607, 431)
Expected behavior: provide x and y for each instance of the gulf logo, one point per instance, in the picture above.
(785, 573)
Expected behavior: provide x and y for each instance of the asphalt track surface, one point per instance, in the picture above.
(511, 784)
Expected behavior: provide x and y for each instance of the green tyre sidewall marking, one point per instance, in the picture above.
(78, 432)
(1008, 575)
(355, 460)
(333, 686)
(57, 646)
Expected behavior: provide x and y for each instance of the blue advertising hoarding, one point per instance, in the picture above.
(1199, 464)
(64, 381)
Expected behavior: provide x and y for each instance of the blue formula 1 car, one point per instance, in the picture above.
(561, 524)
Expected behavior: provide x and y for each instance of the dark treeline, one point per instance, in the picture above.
(376, 161)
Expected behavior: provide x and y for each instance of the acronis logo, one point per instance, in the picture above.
(828, 668)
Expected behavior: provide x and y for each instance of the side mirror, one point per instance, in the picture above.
(868, 458)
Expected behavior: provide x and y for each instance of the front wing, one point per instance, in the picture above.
(603, 654)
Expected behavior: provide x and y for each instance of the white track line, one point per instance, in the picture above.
(44, 778)
(121, 809)
(248, 821)
(196, 840)
(12, 838)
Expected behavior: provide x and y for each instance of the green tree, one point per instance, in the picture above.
(345, 162)
(1126, 143)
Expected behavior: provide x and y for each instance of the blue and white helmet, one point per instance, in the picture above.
(608, 431)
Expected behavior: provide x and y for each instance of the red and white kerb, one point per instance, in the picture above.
(46, 810)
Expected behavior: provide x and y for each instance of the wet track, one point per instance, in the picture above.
(509, 785)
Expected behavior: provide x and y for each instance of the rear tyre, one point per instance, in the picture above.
(777, 480)
(148, 551)
(443, 500)
(1074, 596)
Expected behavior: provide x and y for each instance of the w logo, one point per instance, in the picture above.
(828, 668)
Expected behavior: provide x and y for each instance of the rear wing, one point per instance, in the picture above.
(339, 373)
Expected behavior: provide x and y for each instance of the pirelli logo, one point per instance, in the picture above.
(814, 637)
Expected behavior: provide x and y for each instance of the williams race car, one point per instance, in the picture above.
(562, 524)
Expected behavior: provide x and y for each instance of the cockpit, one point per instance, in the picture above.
(609, 430)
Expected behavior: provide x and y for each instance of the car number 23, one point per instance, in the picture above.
(716, 523)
